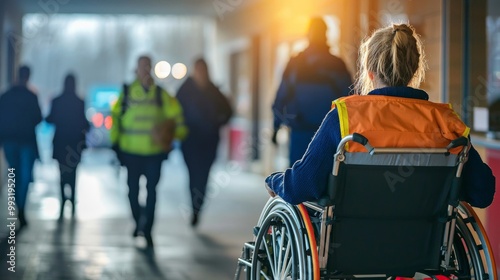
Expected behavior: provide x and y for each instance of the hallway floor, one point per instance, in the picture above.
(97, 243)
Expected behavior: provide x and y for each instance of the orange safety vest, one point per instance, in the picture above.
(389, 121)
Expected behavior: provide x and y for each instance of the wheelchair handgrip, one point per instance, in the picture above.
(358, 138)
(461, 141)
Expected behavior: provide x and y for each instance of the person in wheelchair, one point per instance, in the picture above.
(392, 64)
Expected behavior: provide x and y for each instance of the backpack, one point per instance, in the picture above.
(310, 93)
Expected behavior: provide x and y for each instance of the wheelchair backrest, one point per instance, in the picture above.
(391, 208)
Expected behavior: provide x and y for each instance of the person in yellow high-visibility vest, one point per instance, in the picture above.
(145, 121)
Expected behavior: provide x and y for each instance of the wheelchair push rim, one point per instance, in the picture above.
(278, 213)
(476, 249)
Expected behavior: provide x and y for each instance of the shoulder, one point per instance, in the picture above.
(134, 84)
(188, 82)
(56, 100)
(294, 62)
(6, 94)
(164, 92)
(32, 92)
(298, 59)
(185, 86)
(78, 100)
(332, 117)
(330, 127)
(168, 99)
(4, 98)
(30, 96)
(23, 92)
(81, 99)
(216, 90)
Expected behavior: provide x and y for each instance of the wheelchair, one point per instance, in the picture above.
(389, 213)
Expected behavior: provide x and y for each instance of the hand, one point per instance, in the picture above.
(273, 138)
(270, 191)
(116, 149)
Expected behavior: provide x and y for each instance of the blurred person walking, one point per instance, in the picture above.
(19, 115)
(206, 110)
(311, 81)
(146, 119)
(68, 116)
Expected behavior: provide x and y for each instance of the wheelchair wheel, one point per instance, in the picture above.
(472, 254)
(280, 245)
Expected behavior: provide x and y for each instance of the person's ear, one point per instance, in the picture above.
(371, 75)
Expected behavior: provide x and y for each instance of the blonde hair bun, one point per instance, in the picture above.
(395, 55)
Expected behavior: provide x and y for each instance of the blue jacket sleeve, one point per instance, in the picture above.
(281, 116)
(478, 182)
(307, 179)
(279, 105)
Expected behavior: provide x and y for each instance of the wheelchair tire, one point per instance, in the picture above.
(281, 244)
(472, 254)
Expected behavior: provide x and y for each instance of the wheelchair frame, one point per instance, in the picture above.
(288, 245)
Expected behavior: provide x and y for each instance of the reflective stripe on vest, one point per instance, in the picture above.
(141, 102)
(137, 131)
(398, 122)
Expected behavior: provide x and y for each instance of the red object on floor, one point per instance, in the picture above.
(237, 144)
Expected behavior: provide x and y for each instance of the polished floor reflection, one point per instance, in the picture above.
(97, 243)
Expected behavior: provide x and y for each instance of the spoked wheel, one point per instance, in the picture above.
(461, 258)
(277, 253)
(472, 254)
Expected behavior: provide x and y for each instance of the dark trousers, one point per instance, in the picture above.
(150, 167)
(198, 160)
(68, 177)
(21, 157)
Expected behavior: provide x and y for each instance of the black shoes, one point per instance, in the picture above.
(149, 239)
(194, 220)
(73, 209)
(22, 218)
(147, 236)
(61, 211)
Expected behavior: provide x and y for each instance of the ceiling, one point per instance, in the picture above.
(165, 7)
